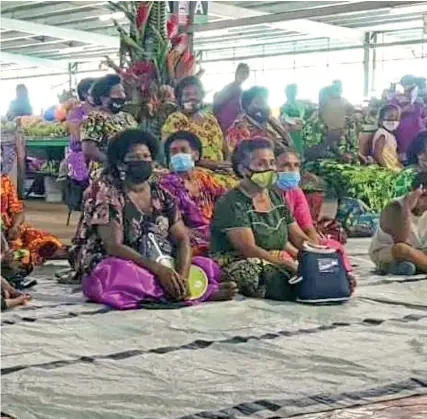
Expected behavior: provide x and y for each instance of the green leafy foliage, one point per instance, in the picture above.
(374, 185)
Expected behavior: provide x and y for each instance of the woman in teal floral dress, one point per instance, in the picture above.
(251, 227)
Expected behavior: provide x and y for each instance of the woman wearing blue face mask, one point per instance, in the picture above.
(131, 246)
(195, 190)
(251, 227)
(288, 180)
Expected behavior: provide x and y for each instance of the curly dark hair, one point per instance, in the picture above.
(188, 136)
(249, 95)
(84, 86)
(419, 145)
(102, 87)
(120, 145)
(385, 109)
(186, 82)
(245, 148)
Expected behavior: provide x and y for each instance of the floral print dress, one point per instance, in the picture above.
(254, 277)
(208, 131)
(197, 209)
(246, 128)
(105, 202)
(30, 241)
(100, 127)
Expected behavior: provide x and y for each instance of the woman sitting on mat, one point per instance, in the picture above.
(29, 245)
(251, 227)
(195, 190)
(384, 144)
(288, 166)
(129, 231)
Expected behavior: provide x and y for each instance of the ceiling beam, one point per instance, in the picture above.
(28, 61)
(305, 26)
(60, 33)
(321, 11)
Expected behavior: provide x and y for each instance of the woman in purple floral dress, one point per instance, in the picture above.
(124, 214)
(195, 189)
(76, 162)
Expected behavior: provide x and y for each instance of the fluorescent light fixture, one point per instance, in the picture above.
(71, 50)
(116, 16)
(416, 8)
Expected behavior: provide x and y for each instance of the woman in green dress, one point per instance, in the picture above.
(251, 227)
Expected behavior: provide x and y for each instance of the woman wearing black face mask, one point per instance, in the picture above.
(104, 122)
(255, 121)
(131, 246)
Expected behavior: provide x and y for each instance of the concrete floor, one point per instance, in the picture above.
(51, 218)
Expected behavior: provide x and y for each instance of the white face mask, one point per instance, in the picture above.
(390, 125)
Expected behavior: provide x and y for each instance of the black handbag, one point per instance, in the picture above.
(322, 278)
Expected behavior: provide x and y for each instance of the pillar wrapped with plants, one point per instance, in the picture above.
(153, 57)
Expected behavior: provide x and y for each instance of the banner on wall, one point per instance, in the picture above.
(200, 8)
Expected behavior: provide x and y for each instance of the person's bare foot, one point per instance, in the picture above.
(353, 282)
(17, 301)
(226, 291)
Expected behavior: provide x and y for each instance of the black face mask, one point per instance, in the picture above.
(260, 115)
(138, 171)
(116, 104)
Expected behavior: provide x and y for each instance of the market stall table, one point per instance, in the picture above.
(54, 149)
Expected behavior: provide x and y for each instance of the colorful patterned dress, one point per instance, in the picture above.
(208, 131)
(100, 127)
(196, 210)
(246, 128)
(117, 282)
(39, 244)
(75, 159)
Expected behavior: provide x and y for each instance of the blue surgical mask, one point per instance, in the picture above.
(288, 180)
(182, 162)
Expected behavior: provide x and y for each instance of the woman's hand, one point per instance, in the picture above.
(13, 232)
(173, 284)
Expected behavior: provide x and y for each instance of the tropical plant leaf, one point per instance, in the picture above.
(120, 6)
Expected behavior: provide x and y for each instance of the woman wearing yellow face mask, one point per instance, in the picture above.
(251, 227)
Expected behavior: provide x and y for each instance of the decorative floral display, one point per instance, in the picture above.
(154, 56)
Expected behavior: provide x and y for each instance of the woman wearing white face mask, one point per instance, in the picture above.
(384, 144)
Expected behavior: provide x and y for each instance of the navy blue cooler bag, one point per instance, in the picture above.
(322, 278)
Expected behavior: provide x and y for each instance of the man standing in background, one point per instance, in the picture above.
(227, 104)
(292, 113)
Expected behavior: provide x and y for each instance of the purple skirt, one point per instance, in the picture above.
(124, 285)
